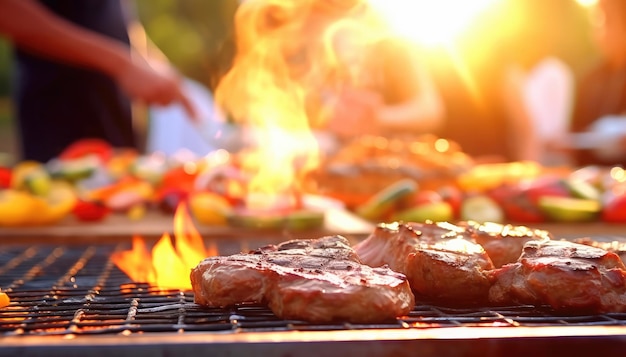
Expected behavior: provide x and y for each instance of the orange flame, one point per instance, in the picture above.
(268, 90)
(168, 264)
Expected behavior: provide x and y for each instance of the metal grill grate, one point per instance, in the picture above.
(77, 290)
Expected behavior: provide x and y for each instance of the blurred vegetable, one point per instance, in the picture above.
(90, 211)
(570, 209)
(4, 300)
(124, 194)
(136, 212)
(481, 208)
(87, 147)
(17, 207)
(31, 176)
(383, 202)
(209, 208)
(5, 177)
(434, 211)
(20, 208)
(60, 202)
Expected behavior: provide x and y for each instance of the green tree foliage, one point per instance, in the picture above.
(5, 68)
(196, 35)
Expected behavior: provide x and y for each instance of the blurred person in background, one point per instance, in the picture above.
(469, 73)
(599, 118)
(482, 74)
(539, 79)
(76, 75)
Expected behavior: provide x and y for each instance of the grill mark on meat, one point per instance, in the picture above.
(320, 280)
(441, 260)
(567, 249)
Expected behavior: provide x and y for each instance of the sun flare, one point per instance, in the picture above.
(430, 22)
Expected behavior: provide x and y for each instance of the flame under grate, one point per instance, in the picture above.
(77, 290)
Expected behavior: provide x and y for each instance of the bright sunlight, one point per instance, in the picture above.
(431, 22)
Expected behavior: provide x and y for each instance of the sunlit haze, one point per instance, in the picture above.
(430, 22)
(587, 3)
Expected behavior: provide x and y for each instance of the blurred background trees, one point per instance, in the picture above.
(194, 34)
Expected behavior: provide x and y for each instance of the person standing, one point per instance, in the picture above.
(75, 76)
(600, 106)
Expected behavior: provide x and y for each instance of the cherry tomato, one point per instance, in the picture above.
(614, 210)
(454, 196)
(179, 178)
(5, 177)
(424, 197)
(519, 214)
(517, 203)
(90, 211)
(547, 186)
(88, 146)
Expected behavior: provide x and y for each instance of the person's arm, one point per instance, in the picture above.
(34, 28)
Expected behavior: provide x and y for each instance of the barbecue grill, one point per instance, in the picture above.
(70, 299)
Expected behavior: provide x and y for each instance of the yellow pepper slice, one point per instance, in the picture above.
(17, 207)
(4, 300)
(209, 208)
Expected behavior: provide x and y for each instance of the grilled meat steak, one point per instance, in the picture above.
(441, 260)
(319, 280)
(503, 243)
(565, 275)
(615, 246)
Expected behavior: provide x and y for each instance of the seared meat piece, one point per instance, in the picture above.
(565, 275)
(615, 246)
(320, 280)
(441, 261)
(503, 243)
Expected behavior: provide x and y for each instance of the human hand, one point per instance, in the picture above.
(155, 84)
(355, 113)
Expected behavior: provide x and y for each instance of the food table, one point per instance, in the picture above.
(155, 223)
